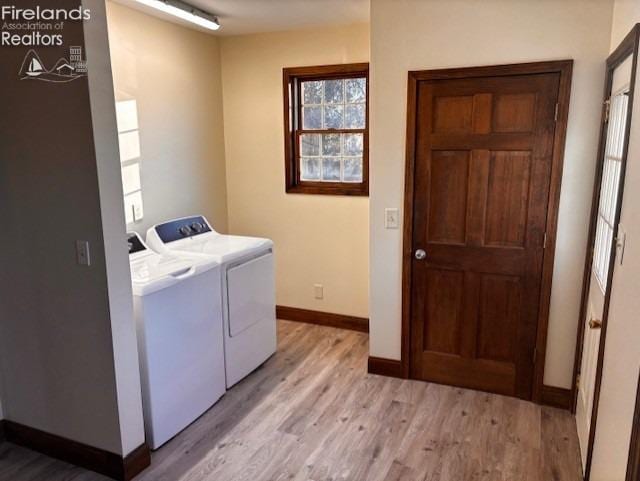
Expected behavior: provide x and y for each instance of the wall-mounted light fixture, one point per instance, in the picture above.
(184, 11)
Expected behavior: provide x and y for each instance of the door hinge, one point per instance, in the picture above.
(544, 241)
(577, 382)
(607, 108)
(535, 354)
(555, 114)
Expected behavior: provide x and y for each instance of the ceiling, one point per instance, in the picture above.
(239, 17)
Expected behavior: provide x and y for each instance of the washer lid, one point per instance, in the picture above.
(154, 272)
(151, 272)
(154, 267)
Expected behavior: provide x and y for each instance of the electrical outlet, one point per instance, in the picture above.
(391, 218)
(83, 253)
(318, 290)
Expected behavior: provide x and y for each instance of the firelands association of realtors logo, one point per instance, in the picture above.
(44, 27)
(64, 70)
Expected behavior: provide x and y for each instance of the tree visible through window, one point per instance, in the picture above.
(326, 129)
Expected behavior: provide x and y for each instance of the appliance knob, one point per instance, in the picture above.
(197, 227)
(185, 230)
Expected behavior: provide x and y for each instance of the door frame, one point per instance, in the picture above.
(628, 47)
(633, 464)
(562, 67)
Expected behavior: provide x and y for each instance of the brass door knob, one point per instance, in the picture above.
(595, 324)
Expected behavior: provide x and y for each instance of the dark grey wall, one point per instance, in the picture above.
(56, 348)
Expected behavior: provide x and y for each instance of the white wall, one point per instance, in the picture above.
(173, 73)
(622, 350)
(428, 34)
(318, 238)
(123, 331)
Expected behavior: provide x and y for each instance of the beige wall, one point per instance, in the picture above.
(173, 72)
(622, 350)
(318, 239)
(626, 13)
(428, 34)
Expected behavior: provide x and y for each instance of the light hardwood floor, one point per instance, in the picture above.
(312, 413)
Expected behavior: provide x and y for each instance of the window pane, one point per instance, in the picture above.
(356, 90)
(310, 144)
(352, 169)
(312, 117)
(333, 91)
(312, 92)
(331, 169)
(331, 144)
(355, 116)
(609, 188)
(310, 168)
(333, 116)
(328, 120)
(353, 144)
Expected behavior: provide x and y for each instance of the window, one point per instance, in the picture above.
(610, 185)
(129, 144)
(326, 129)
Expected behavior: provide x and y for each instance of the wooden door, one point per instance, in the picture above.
(482, 175)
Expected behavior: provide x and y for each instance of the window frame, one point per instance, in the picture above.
(292, 80)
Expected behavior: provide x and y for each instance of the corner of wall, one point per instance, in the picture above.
(125, 351)
(226, 227)
(326, 234)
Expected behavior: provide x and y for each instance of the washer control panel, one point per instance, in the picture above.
(182, 228)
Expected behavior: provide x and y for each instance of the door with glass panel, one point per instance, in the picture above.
(603, 250)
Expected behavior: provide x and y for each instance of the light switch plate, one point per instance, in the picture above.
(83, 253)
(391, 218)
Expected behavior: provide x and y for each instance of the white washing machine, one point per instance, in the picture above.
(248, 287)
(180, 343)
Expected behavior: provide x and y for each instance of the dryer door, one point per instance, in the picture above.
(251, 293)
